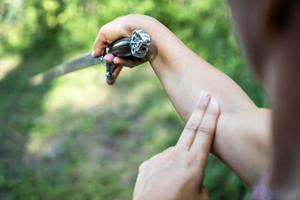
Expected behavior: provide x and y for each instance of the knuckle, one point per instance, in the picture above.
(122, 19)
(214, 111)
(208, 124)
(206, 128)
(171, 150)
(190, 160)
(202, 105)
(103, 29)
(167, 149)
(125, 17)
(191, 126)
(172, 153)
(143, 166)
(132, 15)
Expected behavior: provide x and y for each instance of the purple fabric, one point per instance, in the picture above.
(261, 192)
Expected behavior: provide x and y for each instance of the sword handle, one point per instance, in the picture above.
(135, 46)
(120, 48)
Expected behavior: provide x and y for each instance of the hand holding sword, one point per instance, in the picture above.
(135, 46)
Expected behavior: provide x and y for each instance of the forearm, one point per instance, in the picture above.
(183, 75)
(245, 142)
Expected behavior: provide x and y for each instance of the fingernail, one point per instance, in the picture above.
(106, 80)
(203, 97)
(109, 82)
(93, 53)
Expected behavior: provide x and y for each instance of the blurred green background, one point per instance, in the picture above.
(77, 138)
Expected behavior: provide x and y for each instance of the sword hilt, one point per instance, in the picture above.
(135, 46)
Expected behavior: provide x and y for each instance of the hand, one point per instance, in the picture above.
(119, 28)
(177, 172)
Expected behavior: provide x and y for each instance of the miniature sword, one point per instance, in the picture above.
(135, 46)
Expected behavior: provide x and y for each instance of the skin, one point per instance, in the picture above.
(187, 159)
(242, 146)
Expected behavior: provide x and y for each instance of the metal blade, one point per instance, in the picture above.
(80, 62)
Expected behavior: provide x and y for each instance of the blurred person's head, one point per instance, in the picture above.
(269, 31)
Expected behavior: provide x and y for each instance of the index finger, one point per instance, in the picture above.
(108, 34)
(188, 134)
(205, 133)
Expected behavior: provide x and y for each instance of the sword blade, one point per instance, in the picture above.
(78, 63)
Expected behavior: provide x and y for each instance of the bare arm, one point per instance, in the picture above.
(183, 75)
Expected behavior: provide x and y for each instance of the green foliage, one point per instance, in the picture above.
(79, 139)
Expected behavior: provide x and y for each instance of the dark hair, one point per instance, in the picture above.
(280, 14)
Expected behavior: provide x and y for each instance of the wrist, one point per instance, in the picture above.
(135, 21)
